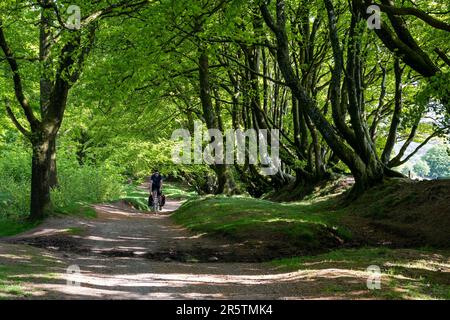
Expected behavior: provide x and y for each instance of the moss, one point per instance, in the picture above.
(310, 225)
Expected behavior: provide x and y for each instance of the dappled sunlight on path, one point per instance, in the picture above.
(140, 279)
(127, 254)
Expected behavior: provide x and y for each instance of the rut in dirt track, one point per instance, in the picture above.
(121, 231)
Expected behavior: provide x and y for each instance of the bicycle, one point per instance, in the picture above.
(156, 201)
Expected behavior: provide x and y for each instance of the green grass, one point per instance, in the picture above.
(240, 216)
(24, 264)
(178, 191)
(10, 227)
(75, 231)
(13, 225)
(133, 194)
(8, 290)
(406, 273)
(138, 197)
(77, 209)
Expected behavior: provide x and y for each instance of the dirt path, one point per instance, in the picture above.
(126, 254)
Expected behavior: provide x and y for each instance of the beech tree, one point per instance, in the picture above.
(62, 51)
(345, 98)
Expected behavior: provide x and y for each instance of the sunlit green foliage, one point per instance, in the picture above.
(79, 185)
(438, 160)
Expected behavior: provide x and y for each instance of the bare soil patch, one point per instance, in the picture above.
(121, 231)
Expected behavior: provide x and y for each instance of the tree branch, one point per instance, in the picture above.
(422, 15)
(400, 162)
(14, 119)
(442, 55)
(18, 88)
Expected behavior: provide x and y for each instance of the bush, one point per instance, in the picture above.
(15, 183)
(438, 160)
(85, 185)
(78, 185)
(14, 197)
(139, 158)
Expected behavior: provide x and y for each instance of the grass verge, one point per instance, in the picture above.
(178, 191)
(20, 265)
(10, 227)
(405, 273)
(309, 225)
(137, 196)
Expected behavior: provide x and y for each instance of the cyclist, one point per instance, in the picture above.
(156, 182)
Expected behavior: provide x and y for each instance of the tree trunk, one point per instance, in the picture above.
(60, 69)
(225, 181)
(53, 171)
(395, 122)
(224, 178)
(367, 177)
(45, 83)
(40, 180)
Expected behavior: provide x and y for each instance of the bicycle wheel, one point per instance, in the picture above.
(155, 203)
